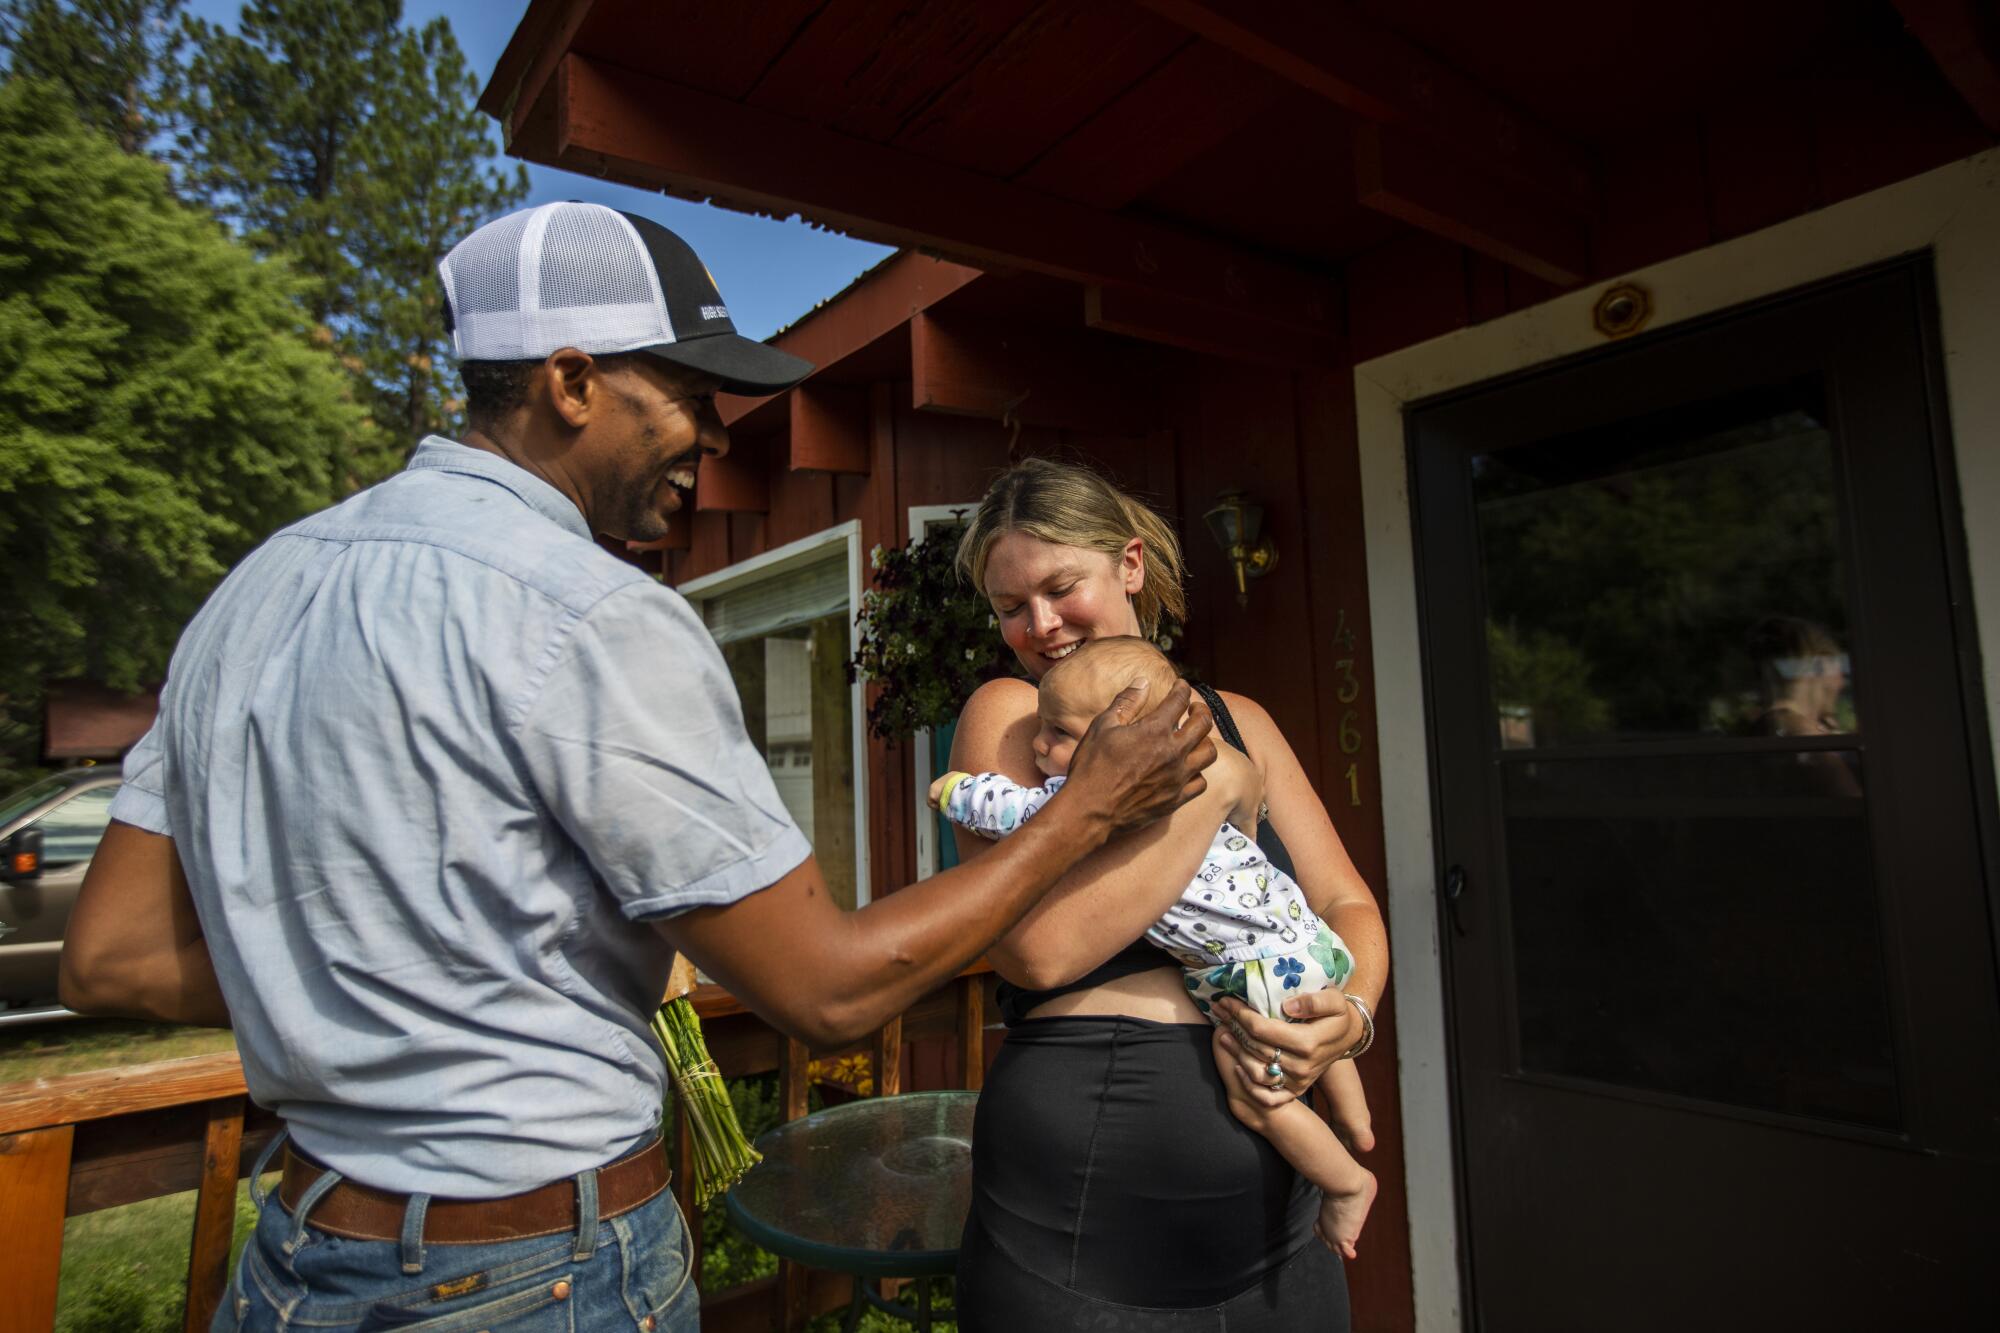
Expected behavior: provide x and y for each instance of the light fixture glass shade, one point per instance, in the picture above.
(1236, 520)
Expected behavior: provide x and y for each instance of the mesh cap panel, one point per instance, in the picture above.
(560, 275)
(601, 281)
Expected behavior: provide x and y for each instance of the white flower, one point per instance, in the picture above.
(970, 655)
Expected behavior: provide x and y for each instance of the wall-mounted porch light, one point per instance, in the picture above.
(1238, 522)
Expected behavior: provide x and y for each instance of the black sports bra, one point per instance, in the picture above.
(1017, 1002)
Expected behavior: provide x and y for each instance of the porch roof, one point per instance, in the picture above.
(1206, 169)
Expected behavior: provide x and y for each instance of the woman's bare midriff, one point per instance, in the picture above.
(1159, 995)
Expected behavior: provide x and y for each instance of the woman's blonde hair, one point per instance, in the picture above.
(1069, 505)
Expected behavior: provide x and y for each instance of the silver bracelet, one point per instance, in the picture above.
(1367, 1029)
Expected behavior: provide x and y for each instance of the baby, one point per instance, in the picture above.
(1242, 926)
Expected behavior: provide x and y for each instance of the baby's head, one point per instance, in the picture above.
(1079, 687)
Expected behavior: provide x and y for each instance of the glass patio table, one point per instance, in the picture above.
(875, 1189)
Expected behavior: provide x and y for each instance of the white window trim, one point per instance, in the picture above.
(921, 517)
(792, 555)
(1955, 212)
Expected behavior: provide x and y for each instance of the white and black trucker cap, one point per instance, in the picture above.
(590, 277)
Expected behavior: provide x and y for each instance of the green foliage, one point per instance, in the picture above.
(117, 59)
(328, 133)
(927, 638)
(161, 407)
(1628, 601)
(422, 184)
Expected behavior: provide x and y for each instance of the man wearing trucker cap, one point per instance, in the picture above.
(438, 788)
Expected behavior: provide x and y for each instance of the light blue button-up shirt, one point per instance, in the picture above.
(433, 762)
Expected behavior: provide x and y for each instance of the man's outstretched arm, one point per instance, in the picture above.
(829, 976)
(134, 947)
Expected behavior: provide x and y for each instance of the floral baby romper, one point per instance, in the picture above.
(1241, 927)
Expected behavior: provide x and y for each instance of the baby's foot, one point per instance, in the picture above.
(1342, 1215)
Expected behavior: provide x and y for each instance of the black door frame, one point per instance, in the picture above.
(1971, 698)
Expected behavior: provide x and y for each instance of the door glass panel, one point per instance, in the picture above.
(1703, 925)
(1669, 577)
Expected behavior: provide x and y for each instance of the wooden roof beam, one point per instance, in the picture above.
(1963, 37)
(830, 427)
(1161, 319)
(542, 38)
(876, 305)
(1405, 181)
(1038, 376)
(732, 483)
(1355, 63)
(615, 122)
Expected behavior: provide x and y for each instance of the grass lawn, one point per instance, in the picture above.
(74, 1045)
(124, 1270)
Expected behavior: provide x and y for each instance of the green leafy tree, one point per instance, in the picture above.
(162, 407)
(328, 133)
(117, 59)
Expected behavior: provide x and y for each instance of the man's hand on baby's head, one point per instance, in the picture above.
(1141, 770)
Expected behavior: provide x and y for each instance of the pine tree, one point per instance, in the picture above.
(272, 112)
(162, 407)
(422, 184)
(330, 134)
(117, 59)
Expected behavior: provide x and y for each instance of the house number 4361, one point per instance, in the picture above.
(1348, 693)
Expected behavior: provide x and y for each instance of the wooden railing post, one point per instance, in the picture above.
(887, 1057)
(214, 1213)
(34, 1187)
(971, 1032)
(684, 1191)
(792, 1088)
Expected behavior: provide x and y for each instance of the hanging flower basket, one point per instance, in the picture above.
(927, 638)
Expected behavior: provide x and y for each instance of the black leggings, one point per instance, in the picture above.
(1113, 1189)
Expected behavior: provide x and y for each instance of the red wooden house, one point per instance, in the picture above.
(1620, 383)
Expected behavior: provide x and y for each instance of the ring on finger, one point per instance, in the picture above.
(1275, 1072)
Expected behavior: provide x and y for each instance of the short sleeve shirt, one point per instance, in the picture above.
(434, 763)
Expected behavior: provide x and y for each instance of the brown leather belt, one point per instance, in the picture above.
(361, 1213)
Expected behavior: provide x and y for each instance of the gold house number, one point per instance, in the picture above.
(1348, 693)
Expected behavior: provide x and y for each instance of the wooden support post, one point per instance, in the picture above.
(214, 1213)
(971, 1033)
(34, 1185)
(684, 1190)
(792, 1278)
(792, 1080)
(887, 1057)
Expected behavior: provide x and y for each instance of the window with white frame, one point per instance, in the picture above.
(785, 623)
(931, 750)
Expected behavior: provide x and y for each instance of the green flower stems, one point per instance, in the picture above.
(721, 1153)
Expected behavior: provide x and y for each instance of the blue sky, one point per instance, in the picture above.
(770, 272)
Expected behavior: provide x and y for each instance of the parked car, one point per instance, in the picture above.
(48, 833)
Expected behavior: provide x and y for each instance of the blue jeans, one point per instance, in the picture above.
(625, 1272)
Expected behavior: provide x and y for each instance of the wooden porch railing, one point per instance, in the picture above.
(77, 1143)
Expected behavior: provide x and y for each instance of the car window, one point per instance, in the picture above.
(20, 802)
(71, 831)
